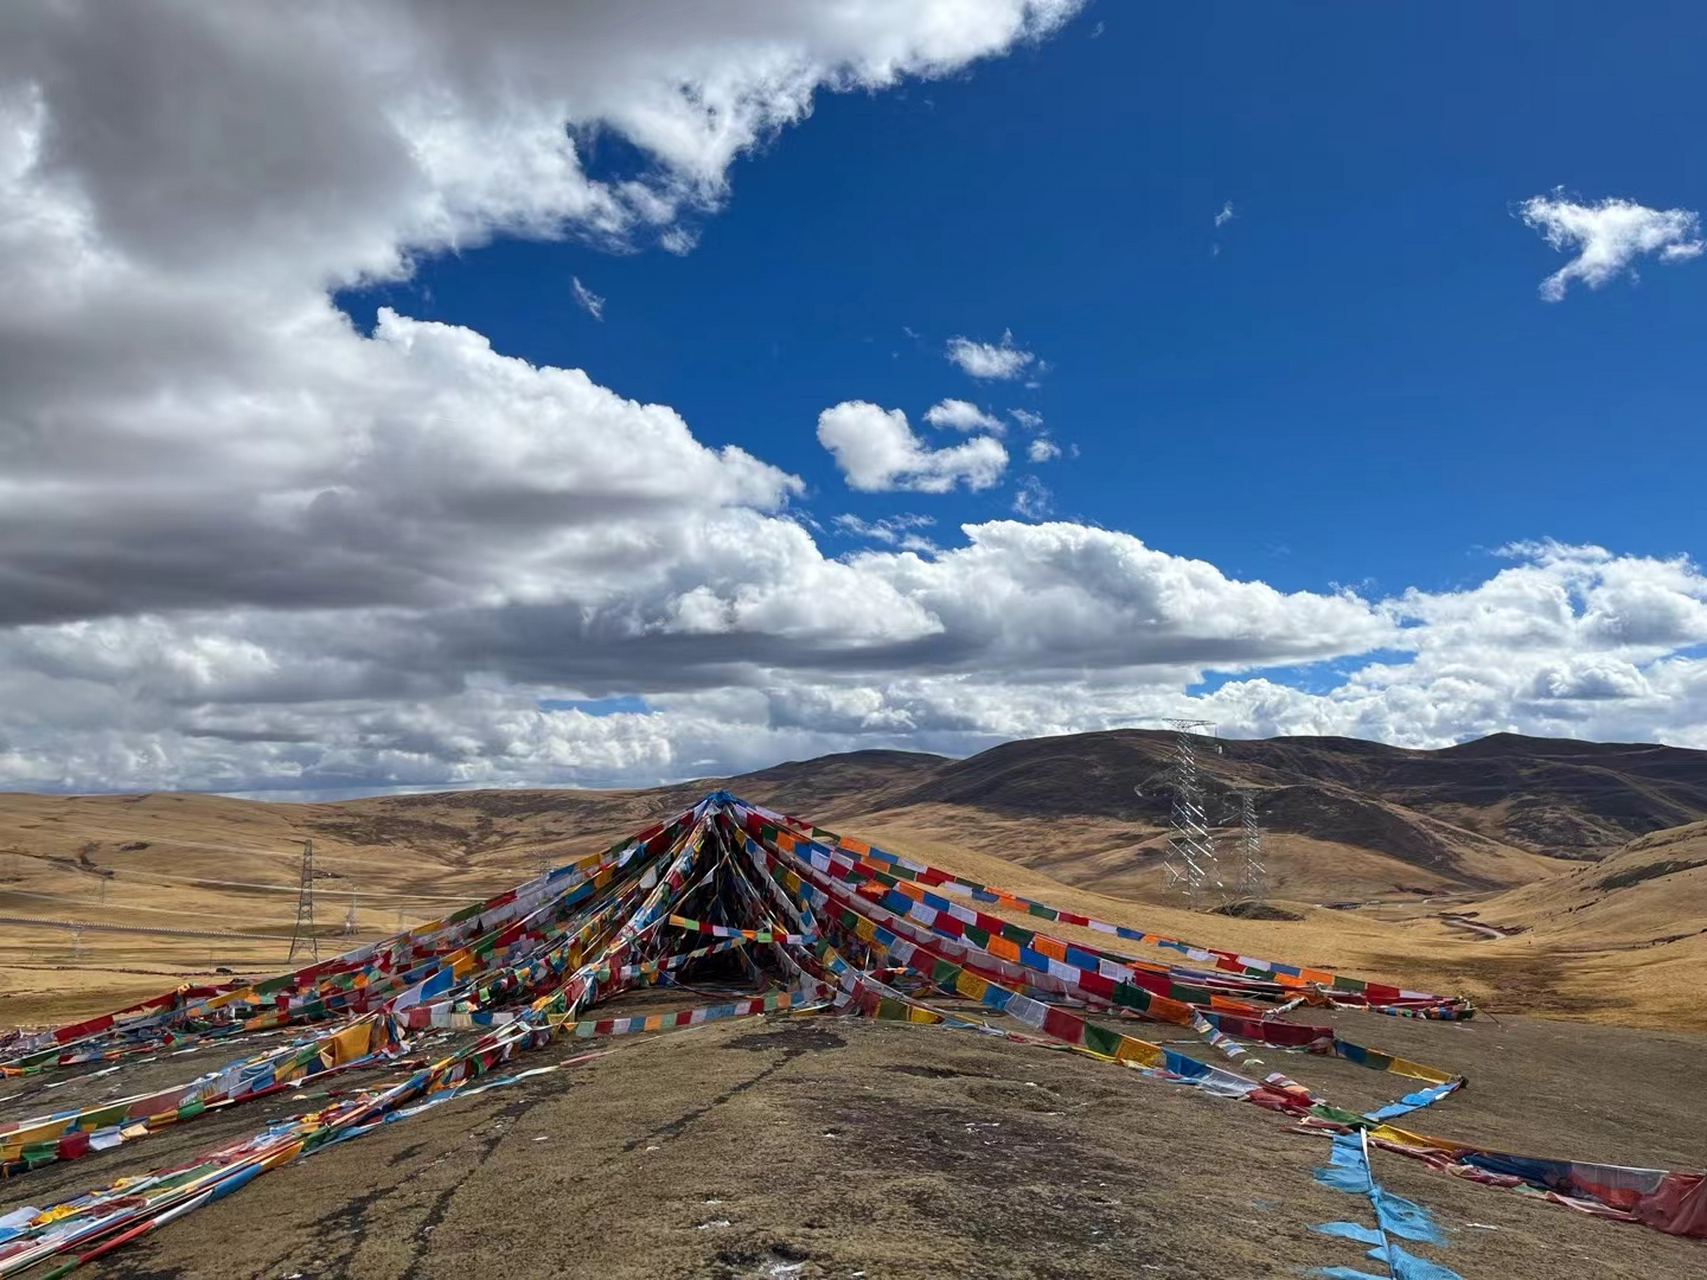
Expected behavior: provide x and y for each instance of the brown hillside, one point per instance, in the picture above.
(1549, 796)
(1343, 821)
(1628, 931)
(1651, 892)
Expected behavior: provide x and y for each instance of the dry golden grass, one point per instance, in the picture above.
(1628, 932)
(214, 864)
(211, 865)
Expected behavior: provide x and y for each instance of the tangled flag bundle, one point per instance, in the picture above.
(815, 922)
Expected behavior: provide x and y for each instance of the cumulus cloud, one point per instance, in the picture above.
(1042, 449)
(1021, 629)
(962, 415)
(187, 421)
(877, 451)
(1001, 361)
(1608, 237)
(586, 299)
(1026, 418)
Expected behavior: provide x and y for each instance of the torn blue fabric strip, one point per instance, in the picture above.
(1413, 1101)
(1404, 1218)
(1407, 1266)
(1350, 1231)
(1347, 1170)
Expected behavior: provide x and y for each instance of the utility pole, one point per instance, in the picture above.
(1191, 868)
(302, 936)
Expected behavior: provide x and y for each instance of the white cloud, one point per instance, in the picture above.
(1032, 498)
(1226, 215)
(1024, 629)
(1026, 418)
(1043, 449)
(1002, 360)
(962, 415)
(586, 299)
(877, 451)
(894, 531)
(1608, 237)
(679, 240)
(186, 419)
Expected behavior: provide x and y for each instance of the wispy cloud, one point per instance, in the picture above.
(589, 301)
(679, 240)
(962, 415)
(1226, 215)
(892, 531)
(1026, 418)
(1032, 499)
(1002, 360)
(1043, 449)
(1608, 237)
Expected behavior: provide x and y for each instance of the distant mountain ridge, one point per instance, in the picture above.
(1557, 797)
(1340, 815)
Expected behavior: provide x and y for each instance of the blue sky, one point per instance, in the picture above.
(645, 457)
(1360, 387)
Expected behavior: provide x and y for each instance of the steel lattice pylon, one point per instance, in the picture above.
(1252, 880)
(1192, 868)
(302, 936)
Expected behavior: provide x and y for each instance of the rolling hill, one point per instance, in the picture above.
(1504, 825)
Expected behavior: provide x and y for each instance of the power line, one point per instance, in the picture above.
(148, 876)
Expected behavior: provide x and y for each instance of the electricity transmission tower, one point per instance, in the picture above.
(1251, 884)
(350, 925)
(77, 949)
(302, 936)
(1191, 867)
